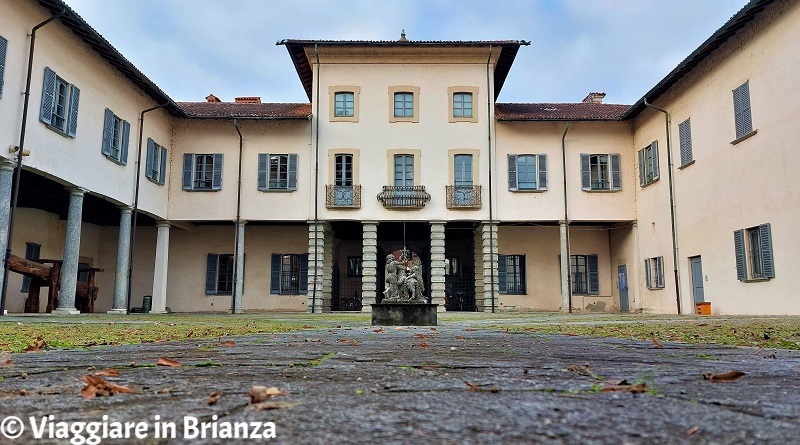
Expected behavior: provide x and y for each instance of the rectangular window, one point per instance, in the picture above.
(685, 137)
(3, 51)
(753, 247)
(354, 266)
(202, 172)
(403, 170)
(600, 172)
(452, 267)
(116, 133)
(289, 274)
(654, 272)
(343, 170)
(83, 273)
(741, 110)
(156, 166)
(585, 274)
(344, 104)
(462, 105)
(277, 172)
(404, 104)
(59, 108)
(527, 172)
(219, 274)
(32, 251)
(648, 164)
(462, 170)
(511, 274)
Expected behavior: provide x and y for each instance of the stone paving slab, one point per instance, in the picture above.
(407, 385)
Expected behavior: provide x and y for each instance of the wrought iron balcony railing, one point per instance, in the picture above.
(463, 197)
(404, 197)
(343, 196)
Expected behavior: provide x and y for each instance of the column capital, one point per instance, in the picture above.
(125, 209)
(163, 224)
(76, 191)
(437, 222)
(241, 222)
(369, 221)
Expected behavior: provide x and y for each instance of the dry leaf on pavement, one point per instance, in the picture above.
(227, 343)
(214, 397)
(96, 387)
(5, 360)
(656, 343)
(260, 393)
(167, 362)
(725, 377)
(36, 345)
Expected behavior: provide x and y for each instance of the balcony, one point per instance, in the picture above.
(404, 197)
(343, 196)
(463, 197)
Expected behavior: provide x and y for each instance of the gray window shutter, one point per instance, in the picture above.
(641, 167)
(48, 91)
(151, 150)
(163, 170)
(660, 267)
(741, 109)
(586, 178)
(3, 51)
(654, 148)
(263, 161)
(765, 233)
(275, 277)
(211, 273)
(648, 280)
(542, 172)
(303, 273)
(741, 263)
(616, 177)
(123, 151)
(188, 161)
(216, 181)
(292, 179)
(108, 131)
(501, 274)
(594, 274)
(522, 274)
(32, 251)
(74, 99)
(512, 172)
(685, 136)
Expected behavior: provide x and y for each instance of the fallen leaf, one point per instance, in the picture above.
(635, 389)
(349, 341)
(470, 330)
(214, 397)
(472, 387)
(760, 348)
(434, 329)
(378, 331)
(692, 430)
(264, 406)
(582, 370)
(5, 360)
(110, 372)
(460, 337)
(570, 335)
(36, 345)
(227, 343)
(260, 393)
(725, 377)
(656, 343)
(96, 387)
(167, 362)
(423, 344)
(190, 334)
(421, 336)
(305, 326)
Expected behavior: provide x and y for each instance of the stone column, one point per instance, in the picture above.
(238, 289)
(320, 267)
(477, 259)
(565, 267)
(437, 264)
(6, 181)
(369, 265)
(120, 304)
(160, 269)
(491, 286)
(72, 248)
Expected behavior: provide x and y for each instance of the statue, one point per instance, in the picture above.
(404, 282)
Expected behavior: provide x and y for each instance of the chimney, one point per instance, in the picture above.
(212, 98)
(403, 36)
(248, 100)
(594, 98)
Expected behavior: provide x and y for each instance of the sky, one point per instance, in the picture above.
(191, 48)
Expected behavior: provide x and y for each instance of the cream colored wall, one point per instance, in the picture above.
(623, 247)
(101, 86)
(730, 187)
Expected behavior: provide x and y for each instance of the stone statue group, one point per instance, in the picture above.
(404, 284)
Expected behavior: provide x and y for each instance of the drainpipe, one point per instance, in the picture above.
(20, 155)
(491, 214)
(671, 205)
(316, 191)
(566, 213)
(136, 200)
(238, 219)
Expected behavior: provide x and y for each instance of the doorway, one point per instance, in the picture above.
(622, 284)
(697, 279)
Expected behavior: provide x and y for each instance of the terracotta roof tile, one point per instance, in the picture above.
(559, 112)
(230, 110)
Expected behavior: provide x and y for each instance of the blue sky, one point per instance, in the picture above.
(191, 48)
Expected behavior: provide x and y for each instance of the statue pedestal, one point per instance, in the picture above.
(404, 314)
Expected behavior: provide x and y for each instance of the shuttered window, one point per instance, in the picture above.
(156, 164)
(654, 272)
(277, 172)
(3, 52)
(585, 274)
(648, 164)
(219, 274)
(753, 249)
(685, 137)
(741, 110)
(289, 274)
(600, 172)
(116, 133)
(59, 108)
(527, 172)
(511, 274)
(202, 172)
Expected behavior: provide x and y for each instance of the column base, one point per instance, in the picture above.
(237, 311)
(116, 312)
(65, 311)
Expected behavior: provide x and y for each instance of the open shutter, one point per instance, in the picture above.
(151, 151)
(512, 172)
(765, 234)
(74, 99)
(263, 160)
(641, 167)
(747, 117)
(594, 275)
(542, 172)
(275, 277)
(654, 149)
(647, 278)
(216, 182)
(3, 51)
(616, 177)
(162, 172)
(108, 129)
(292, 172)
(126, 135)
(741, 264)
(188, 159)
(211, 273)
(586, 178)
(304, 273)
(660, 268)
(501, 274)
(685, 136)
(523, 283)
(48, 92)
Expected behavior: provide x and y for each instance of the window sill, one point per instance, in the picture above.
(456, 120)
(656, 288)
(202, 190)
(527, 190)
(276, 190)
(755, 280)
(58, 130)
(747, 136)
(602, 191)
(686, 165)
(344, 119)
(156, 182)
(404, 119)
(644, 186)
(115, 160)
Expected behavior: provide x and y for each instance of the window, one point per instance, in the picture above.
(585, 275)
(3, 51)
(219, 274)
(289, 274)
(648, 164)
(463, 100)
(685, 136)
(59, 104)
(462, 170)
(344, 104)
(343, 170)
(741, 110)
(83, 272)
(600, 172)
(116, 133)
(202, 172)
(452, 267)
(462, 105)
(527, 172)
(32, 251)
(654, 272)
(403, 170)
(753, 247)
(156, 166)
(404, 103)
(511, 274)
(354, 266)
(277, 172)
(343, 101)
